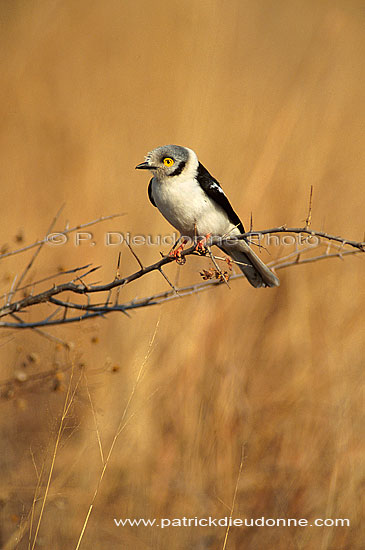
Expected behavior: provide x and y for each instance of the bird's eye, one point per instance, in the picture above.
(168, 161)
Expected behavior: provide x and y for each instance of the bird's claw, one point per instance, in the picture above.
(176, 253)
(200, 246)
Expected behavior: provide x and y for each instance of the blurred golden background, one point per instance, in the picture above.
(270, 96)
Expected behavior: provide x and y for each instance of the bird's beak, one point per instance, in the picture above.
(144, 166)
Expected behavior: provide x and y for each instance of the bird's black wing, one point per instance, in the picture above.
(213, 189)
(150, 193)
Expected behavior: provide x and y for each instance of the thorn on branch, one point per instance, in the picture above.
(168, 280)
(117, 273)
(309, 217)
(134, 254)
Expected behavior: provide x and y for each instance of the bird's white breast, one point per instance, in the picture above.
(188, 208)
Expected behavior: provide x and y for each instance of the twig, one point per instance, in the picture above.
(298, 230)
(64, 232)
(317, 258)
(234, 498)
(168, 280)
(117, 276)
(35, 255)
(9, 296)
(44, 334)
(49, 278)
(134, 254)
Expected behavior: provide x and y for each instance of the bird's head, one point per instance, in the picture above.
(169, 161)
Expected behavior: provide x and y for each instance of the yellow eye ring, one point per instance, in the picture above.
(168, 161)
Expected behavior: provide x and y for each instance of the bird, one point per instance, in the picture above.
(193, 202)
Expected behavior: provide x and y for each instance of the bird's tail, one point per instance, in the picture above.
(254, 269)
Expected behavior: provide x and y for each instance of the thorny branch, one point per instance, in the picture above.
(59, 295)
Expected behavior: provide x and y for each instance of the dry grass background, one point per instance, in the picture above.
(270, 95)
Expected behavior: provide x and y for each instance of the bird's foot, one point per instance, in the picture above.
(200, 247)
(176, 253)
